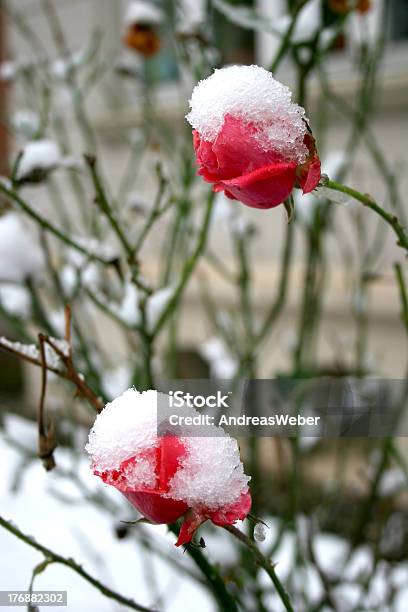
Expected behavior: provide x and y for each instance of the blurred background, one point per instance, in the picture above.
(318, 297)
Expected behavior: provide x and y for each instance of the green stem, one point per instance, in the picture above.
(264, 563)
(106, 208)
(403, 293)
(68, 562)
(368, 201)
(215, 582)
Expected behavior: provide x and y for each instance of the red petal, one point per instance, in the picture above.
(237, 150)
(234, 152)
(308, 174)
(155, 507)
(310, 180)
(231, 514)
(224, 516)
(192, 520)
(265, 187)
(206, 158)
(171, 451)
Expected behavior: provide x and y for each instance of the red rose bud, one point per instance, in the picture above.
(142, 20)
(142, 39)
(251, 141)
(166, 478)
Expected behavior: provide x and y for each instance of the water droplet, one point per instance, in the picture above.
(259, 532)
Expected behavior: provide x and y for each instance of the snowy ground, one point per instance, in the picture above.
(55, 510)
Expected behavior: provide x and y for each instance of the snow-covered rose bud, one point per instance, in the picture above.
(172, 476)
(251, 140)
(141, 24)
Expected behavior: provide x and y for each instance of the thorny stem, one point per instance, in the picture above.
(215, 582)
(69, 562)
(367, 200)
(264, 563)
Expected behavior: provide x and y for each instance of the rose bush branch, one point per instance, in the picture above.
(68, 373)
(403, 293)
(368, 200)
(214, 580)
(371, 143)
(49, 227)
(107, 210)
(189, 265)
(264, 563)
(53, 557)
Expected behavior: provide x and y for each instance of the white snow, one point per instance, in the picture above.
(8, 71)
(129, 309)
(392, 481)
(135, 202)
(223, 366)
(308, 23)
(115, 381)
(16, 300)
(32, 352)
(43, 155)
(156, 304)
(20, 254)
(143, 13)
(26, 122)
(250, 93)
(61, 67)
(127, 428)
(197, 485)
(80, 268)
(190, 16)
